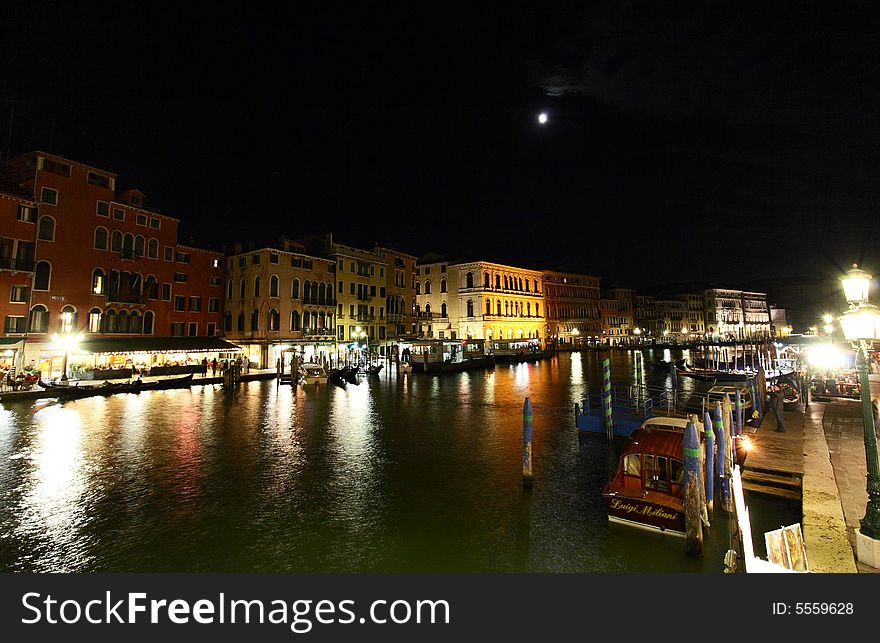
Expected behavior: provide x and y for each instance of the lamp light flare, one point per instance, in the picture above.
(543, 118)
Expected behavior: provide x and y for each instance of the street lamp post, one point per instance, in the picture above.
(360, 336)
(860, 323)
(68, 343)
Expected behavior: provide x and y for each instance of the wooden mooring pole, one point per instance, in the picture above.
(527, 444)
(693, 490)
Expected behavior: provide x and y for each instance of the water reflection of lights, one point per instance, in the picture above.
(522, 374)
(577, 370)
(52, 505)
(489, 388)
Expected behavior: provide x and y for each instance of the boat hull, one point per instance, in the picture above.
(651, 515)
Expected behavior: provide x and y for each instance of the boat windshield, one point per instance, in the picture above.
(632, 464)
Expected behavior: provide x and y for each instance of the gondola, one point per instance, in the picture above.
(374, 369)
(68, 391)
(335, 376)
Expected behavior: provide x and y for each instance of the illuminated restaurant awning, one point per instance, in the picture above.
(10, 341)
(122, 345)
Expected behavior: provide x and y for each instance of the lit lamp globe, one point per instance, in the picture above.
(860, 321)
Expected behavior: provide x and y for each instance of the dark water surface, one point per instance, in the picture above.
(417, 473)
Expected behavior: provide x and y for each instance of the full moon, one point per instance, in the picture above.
(542, 118)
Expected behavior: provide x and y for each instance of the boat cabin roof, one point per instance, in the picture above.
(669, 424)
(663, 442)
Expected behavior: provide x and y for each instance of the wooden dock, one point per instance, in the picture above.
(775, 465)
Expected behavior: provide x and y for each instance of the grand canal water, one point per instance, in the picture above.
(417, 473)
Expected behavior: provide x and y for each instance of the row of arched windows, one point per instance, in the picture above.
(505, 282)
(308, 322)
(110, 321)
(124, 285)
(312, 292)
(127, 244)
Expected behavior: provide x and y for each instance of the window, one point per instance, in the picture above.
(214, 305)
(128, 246)
(39, 320)
(155, 224)
(15, 325)
(229, 290)
(67, 320)
(255, 320)
(418, 288)
(255, 260)
(100, 238)
(102, 209)
(149, 318)
(61, 169)
(169, 253)
(274, 320)
(294, 289)
(195, 304)
(180, 277)
(294, 321)
(469, 280)
(632, 464)
(470, 308)
(151, 287)
(179, 303)
(428, 287)
(193, 329)
(215, 262)
(19, 294)
(119, 214)
(27, 214)
(212, 329)
(166, 292)
(181, 257)
(240, 321)
(95, 320)
(96, 179)
(139, 246)
(273, 258)
(257, 286)
(177, 329)
(141, 219)
(42, 275)
(98, 282)
(443, 308)
(242, 289)
(242, 262)
(46, 230)
(215, 281)
(153, 249)
(273, 284)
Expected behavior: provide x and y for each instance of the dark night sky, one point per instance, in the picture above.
(685, 143)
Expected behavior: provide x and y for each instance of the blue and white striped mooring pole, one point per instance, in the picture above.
(692, 490)
(710, 460)
(606, 397)
(527, 443)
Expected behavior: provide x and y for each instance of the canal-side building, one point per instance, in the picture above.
(571, 302)
(106, 266)
(618, 322)
(18, 233)
(695, 315)
(466, 299)
(400, 297)
(280, 299)
(756, 314)
(736, 314)
(646, 317)
(674, 321)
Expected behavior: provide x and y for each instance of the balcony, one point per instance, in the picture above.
(126, 298)
(13, 263)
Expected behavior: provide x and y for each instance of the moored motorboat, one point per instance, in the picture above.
(312, 374)
(647, 488)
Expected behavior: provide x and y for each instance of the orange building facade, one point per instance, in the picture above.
(103, 264)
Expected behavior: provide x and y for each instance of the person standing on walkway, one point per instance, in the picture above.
(214, 367)
(777, 406)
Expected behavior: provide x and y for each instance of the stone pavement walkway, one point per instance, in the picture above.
(844, 434)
